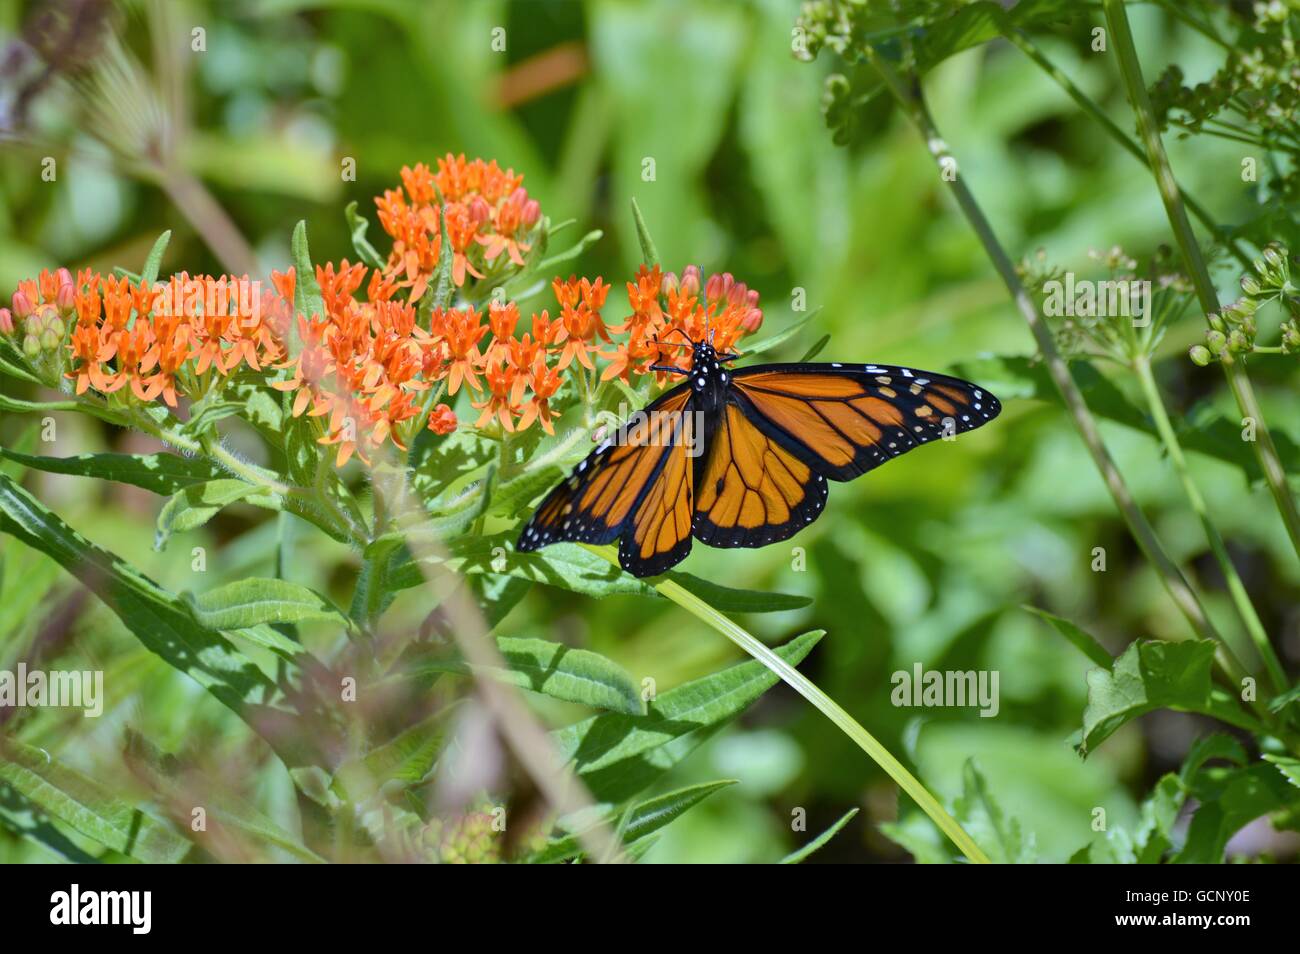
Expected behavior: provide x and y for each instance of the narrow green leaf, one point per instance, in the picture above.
(649, 254)
(644, 819)
(795, 857)
(261, 600)
(1280, 702)
(558, 671)
(152, 264)
(729, 600)
(405, 759)
(358, 225)
(816, 349)
(574, 251)
(307, 300)
(618, 755)
(780, 337)
(1079, 638)
(1287, 765)
(159, 619)
(194, 506)
(159, 473)
(85, 805)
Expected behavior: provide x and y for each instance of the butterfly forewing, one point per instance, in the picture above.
(844, 420)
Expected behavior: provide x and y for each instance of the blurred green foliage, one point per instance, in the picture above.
(928, 560)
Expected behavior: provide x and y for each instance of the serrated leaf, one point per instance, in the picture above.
(358, 225)
(87, 806)
(194, 506)
(159, 473)
(618, 755)
(1288, 765)
(256, 601)
(1148, 675)
(983, 818)
(1077, 636)
(796, 857)
(1230, 799)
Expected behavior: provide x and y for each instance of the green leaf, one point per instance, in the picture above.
(558, 671)
(442, 287)
(816, 349)
(358, 225)
(729, 600)
(307, 300)
(194, 506)
(260, 600)
(1280, 702)
(159, 473)
(979, 813)
(649, 254)
(795, 857)
(159, 619)
(406, 759)
(152, 264)
(1081, 640)
(85, 805)
(618, 755)
(1148, 675)
(644, 819)
(780, 337)
(574, 251)
(222, 809)
(1287, 765)
(573, 567)
(1230, 799)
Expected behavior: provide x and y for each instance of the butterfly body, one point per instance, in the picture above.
(741, 458)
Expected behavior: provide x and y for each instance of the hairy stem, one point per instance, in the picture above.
(1238, 382)
(824, 703)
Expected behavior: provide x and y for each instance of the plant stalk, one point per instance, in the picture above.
(1238, 382)
(1180, 591)
(1236, 589)
(824, 704)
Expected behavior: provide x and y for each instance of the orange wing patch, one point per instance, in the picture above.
(661, 529)
(597, 503)
(751, 491)
(844, 420)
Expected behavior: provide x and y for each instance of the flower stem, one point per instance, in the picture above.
(1238, 382)
(1027, 46)
(1180, 591)
(824, 703)
(1236, 589)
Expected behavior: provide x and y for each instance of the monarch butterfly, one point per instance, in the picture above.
(769, 436)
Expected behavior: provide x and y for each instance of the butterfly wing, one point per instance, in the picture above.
(844, 420)
(751, 489)
(635, 487)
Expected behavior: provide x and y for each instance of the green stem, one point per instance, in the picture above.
(1240, 598)
(1238, 382)
(1184, 597)
(824, 703)
(1086, 103)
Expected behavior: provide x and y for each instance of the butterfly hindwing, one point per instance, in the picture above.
(631, 487)
(844, 420)
(749, 489)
